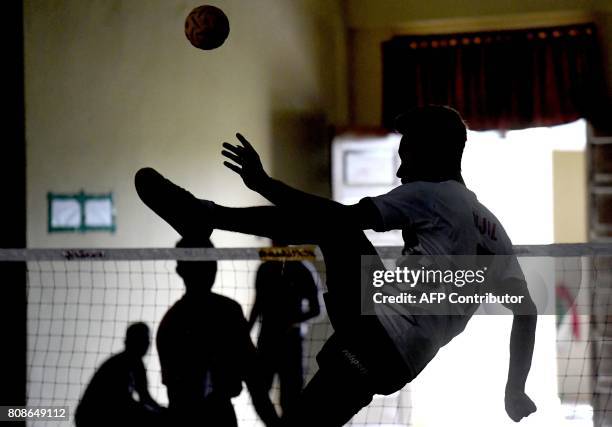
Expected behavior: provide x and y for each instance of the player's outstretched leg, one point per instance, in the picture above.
(189, 215)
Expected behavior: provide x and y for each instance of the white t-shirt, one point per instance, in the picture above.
(440, 219)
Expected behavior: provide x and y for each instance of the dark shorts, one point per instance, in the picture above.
(361, 343)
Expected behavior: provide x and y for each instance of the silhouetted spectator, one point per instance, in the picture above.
(110, 396)
(286, 295)
(205, 351)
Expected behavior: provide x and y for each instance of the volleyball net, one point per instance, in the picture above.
(80, 302)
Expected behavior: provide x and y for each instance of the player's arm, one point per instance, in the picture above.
(311, 295)
(522, 338)
(255, 384)
(255, 312)
(247, 164)
(147, 400)
(142, 388)
(259, 289)
(243, 355)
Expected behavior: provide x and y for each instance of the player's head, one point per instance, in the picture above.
(137, 339)
(198, 276)
(433, 139)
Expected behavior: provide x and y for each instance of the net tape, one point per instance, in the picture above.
(290, 253)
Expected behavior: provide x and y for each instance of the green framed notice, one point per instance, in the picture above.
(80, 212)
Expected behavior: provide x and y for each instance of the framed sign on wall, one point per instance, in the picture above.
(80, 212)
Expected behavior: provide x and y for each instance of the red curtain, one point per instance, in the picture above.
(497, 80)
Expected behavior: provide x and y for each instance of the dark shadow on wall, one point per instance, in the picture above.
(301, 154)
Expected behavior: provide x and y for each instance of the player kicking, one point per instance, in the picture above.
(437, 214)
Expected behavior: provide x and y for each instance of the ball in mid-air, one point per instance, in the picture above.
(206, 27)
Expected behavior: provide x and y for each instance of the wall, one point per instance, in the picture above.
(112, 86)
(371, 23)
(570, 199)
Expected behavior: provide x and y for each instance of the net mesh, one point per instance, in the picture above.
(80, 303)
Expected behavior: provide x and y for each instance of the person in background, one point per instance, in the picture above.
(286, 295)
(205, 351)
(118, 392)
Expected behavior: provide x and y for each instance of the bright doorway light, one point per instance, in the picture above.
(512, 175)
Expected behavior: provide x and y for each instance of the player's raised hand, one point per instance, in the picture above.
(245, 162)
(518, 405)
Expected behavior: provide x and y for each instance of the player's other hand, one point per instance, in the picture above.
(518, 405)
(245, 162)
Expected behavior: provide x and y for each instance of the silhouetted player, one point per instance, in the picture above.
(370, 355)
(205, 351)
(286, 295)
(109, 397)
